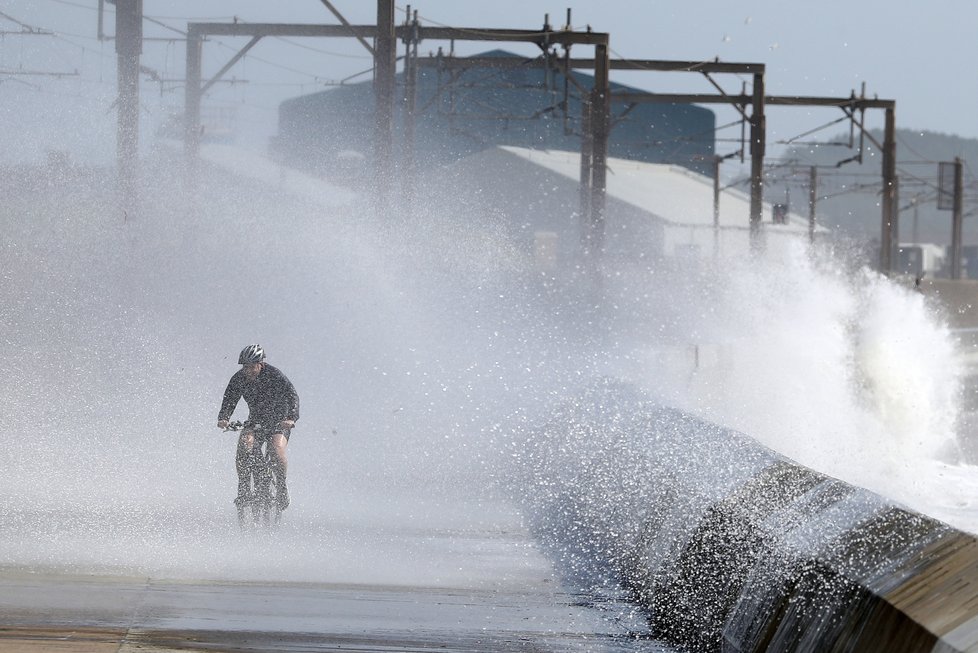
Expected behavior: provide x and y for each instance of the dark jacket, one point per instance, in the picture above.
(271, 397)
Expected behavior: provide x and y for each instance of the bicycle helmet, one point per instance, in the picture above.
(251, 354)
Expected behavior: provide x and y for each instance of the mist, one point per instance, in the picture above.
(422, 344)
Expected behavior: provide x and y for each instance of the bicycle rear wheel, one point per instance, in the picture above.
(244, 517)
(267, 512)
(274, 514)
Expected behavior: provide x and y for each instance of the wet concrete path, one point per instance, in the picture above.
(84, 613)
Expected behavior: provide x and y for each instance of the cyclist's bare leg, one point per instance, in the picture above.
(245, 442)
(279, 443)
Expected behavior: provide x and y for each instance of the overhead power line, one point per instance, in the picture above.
(28, 29)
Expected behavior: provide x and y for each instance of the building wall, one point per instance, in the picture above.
(539, 211)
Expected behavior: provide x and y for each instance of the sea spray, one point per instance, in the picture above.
(849, 373)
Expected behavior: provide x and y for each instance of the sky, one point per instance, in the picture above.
(917, 55)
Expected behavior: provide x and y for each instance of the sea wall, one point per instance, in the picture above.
(727, 545)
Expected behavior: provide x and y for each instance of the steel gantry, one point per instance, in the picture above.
(757, 100)
(889, 227)
(596, 107)
(384, 35)
(849, 105)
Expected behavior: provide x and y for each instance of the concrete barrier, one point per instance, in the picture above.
(729, 546)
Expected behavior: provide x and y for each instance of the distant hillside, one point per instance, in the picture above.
(849, 194)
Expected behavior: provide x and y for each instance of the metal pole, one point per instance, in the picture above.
(410, 101)
(956, 219)
(191, 114)
(916, 218)
(586, 166)
(890, 226)
(812, 198)
(346, 23)
(716, 205)
(384, 67)
(128, 47)
(757, 148)
(600, 119)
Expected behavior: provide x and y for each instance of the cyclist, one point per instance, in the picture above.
(273, 408)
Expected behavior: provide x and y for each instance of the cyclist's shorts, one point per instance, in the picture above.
(263, 432)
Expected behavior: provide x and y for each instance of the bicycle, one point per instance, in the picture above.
(260, 507)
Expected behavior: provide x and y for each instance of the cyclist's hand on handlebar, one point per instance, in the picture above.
(286, 423)
(222, 424)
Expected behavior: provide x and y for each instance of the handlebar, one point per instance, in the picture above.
(237, 425)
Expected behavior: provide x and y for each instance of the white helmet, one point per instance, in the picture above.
(251, 354)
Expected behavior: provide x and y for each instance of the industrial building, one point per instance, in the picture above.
(501, 145)
(461, 110)
(654, 211)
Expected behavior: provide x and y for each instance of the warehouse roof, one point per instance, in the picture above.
(671, 193)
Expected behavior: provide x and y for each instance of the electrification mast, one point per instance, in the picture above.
(128, 47)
